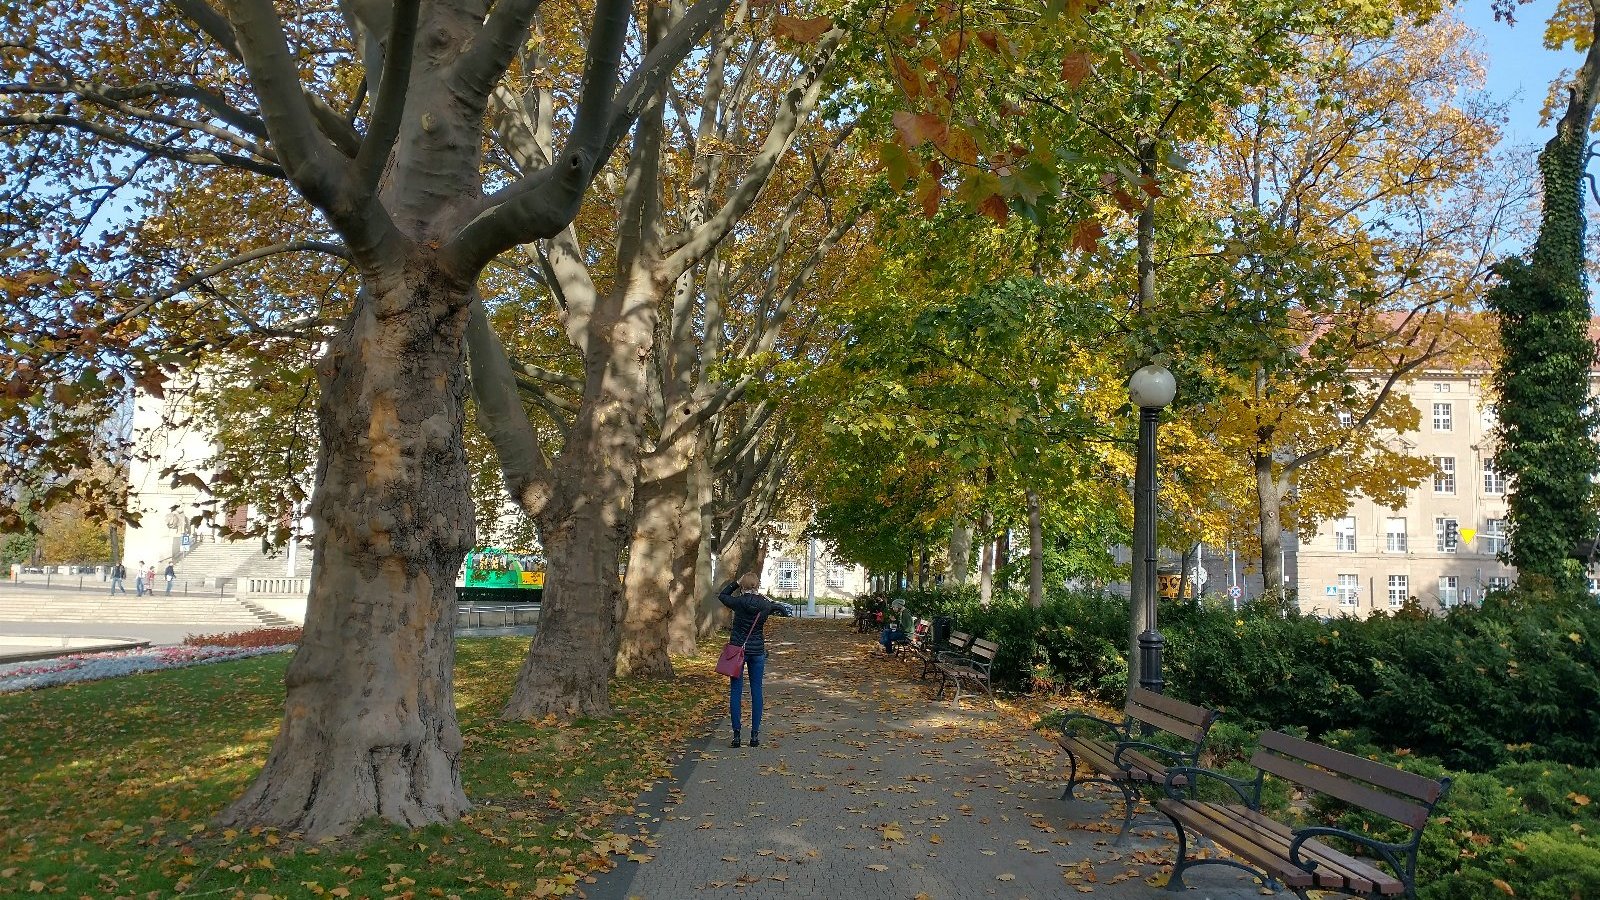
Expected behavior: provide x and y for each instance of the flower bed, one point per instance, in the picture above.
(95, 666)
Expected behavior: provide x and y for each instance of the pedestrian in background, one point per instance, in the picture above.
(119, 573)
(750, 613)
(138, 580)
(172, 575)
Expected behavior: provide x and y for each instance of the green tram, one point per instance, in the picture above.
(492, 575)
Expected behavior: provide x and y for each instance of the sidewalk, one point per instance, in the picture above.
(863, 788)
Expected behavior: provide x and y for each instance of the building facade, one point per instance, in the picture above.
(1443, 546)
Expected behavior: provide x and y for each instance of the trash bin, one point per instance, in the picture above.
(941, 630)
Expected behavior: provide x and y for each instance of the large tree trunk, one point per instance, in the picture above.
(568, 668)
(657, 571)
(1269, 499)
(692, 600)
(960, 551)
(1035, 552)
(369, 726)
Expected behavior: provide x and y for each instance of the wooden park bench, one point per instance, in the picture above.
(1297, 857)
(956, 645)
(976, 667)
(1122, 757)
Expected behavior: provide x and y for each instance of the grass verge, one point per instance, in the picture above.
(107, 788)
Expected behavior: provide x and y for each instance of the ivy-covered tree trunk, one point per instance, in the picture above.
(1547, 418)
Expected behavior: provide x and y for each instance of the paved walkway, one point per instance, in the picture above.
(862, 788)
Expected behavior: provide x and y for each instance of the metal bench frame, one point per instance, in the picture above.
(977, 666)
(1405, 797)
(1129, 752)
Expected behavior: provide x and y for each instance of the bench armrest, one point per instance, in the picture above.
(1388, 852)
(1177, 756)
(1119, 729)
(1248, 790)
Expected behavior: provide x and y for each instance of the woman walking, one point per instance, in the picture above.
(750, 613)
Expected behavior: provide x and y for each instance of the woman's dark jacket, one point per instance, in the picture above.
(746, 610)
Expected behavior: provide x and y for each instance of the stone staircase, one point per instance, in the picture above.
(215, 614)
(232, 560)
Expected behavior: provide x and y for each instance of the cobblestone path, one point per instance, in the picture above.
(864, 788)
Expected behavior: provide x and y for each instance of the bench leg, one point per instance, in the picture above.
(1130, 799)
(1072, 775)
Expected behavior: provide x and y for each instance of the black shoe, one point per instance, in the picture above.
(754, 740)
(735, 741)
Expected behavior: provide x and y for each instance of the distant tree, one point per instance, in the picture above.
(68, 537)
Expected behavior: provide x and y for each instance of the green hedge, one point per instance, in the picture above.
(1517, 679)
(1505, 699)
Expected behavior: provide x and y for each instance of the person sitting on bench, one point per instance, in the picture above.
(892, 635)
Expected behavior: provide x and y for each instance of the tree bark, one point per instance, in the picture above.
(661, 559)
(960, 551)
(569, 664)
(693, 601)
(1035, 552)
(369, 726)
(986, 560)
(1002, 554)
(1270, 501)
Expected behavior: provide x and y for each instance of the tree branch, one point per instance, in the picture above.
(798, 102)
(500, 414)
(191, 156)
(490, 54)
(389, 104)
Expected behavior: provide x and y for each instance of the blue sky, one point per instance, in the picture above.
(1520, 68)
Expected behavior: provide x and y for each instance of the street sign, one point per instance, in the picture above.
(1235, 593)
(1467, 534)
(183, 542)
(1200, 575)
(1330, 590)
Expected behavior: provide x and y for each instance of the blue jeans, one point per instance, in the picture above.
(756, 663)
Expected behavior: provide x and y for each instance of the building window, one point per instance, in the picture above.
(1444, 417)
(1441, 387)
(1494, 536)
(1494, 480)
(1349, 589)
(1449, 591)
(788, 575)
(1445, 534)
(836, 578)
(1395, 535)
(1499, 583)
(1444, 474)
(1344, 534)
(1346, 420)
(1399, 590)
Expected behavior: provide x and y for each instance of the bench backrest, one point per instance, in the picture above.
(1169, 714)
(1405, 797)
(959, 640)
(984, 650)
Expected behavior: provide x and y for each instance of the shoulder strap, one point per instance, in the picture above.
(752, 629)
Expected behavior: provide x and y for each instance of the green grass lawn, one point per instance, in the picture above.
(107, 788)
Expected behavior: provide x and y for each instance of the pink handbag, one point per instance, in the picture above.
(731, 662)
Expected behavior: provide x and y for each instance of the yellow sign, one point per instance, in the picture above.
(1467, 534)
(535, 579)
(1167, 586)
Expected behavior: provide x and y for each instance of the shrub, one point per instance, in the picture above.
(1516, 679)
(255, 637)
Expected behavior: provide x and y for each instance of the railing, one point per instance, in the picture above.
(282, 586)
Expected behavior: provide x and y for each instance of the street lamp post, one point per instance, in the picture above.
(1151, 388)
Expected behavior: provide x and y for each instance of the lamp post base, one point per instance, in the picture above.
(1151, 645)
